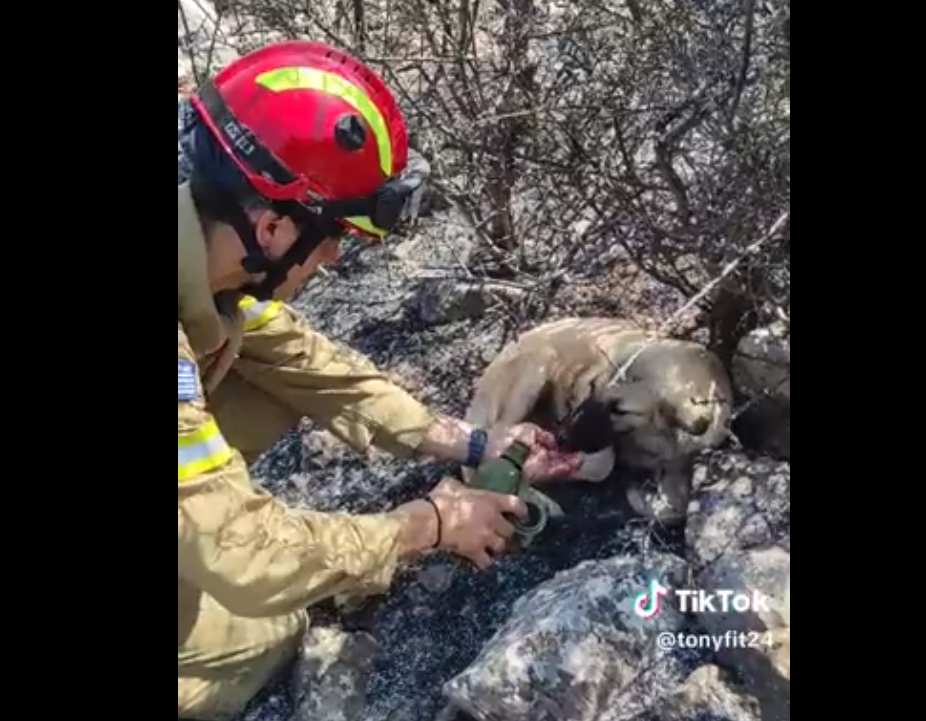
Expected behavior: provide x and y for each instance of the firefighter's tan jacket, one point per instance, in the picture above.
(235, 542)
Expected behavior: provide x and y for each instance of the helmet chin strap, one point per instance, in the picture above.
(310, 237)
(312, 233)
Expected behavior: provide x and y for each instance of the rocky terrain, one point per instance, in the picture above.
(549, 633)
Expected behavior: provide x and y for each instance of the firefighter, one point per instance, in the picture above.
(288, 149)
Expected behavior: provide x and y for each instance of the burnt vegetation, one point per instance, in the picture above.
(579, 135)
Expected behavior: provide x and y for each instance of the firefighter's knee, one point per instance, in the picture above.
(227, 660)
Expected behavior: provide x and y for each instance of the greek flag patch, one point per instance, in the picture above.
(187, 385)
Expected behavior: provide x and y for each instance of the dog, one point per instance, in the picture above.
(674, 401)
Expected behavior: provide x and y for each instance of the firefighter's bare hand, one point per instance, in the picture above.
(473, 524)
(546, 461)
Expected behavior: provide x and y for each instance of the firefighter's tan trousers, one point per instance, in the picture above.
(224, 660)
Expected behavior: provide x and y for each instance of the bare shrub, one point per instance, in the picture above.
(582, 133)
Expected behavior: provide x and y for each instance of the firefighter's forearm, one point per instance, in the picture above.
(447, 439)
(333, 384)
(419, 528)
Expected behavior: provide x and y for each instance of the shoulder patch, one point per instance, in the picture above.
(187, 382)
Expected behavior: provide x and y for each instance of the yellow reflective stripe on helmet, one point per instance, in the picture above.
(258, 313)
(201, 451)
(300, 78)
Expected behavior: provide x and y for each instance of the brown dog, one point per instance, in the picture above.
(674, 401)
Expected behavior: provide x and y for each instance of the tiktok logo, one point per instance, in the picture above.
(648, 605)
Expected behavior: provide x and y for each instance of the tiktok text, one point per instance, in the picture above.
(668, 641)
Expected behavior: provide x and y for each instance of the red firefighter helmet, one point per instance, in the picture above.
(306, 122)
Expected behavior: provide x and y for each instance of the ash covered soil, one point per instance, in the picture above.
(439, 613)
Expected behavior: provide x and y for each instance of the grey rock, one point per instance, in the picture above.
(438, 300)
(330, 677)
(765, 572)
(739, 503)
(739, 539)
(763, 362)
(764, 662)
(762, 373)
(440, 252)
(574, 650)
(708, 695)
